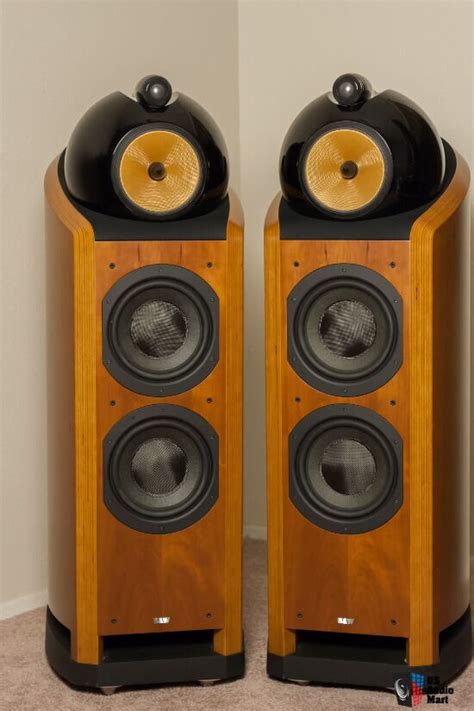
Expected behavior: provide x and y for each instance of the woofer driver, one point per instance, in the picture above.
(161, 468)
(345, 329)
(160, 331)
(345, 468)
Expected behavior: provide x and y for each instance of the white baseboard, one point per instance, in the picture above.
(23, 604)
(258, 533)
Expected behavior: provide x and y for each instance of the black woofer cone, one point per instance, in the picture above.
(348, 467)
(345, 465)
(345, 329)
(161, 330)
(158, 328)
(160, 468)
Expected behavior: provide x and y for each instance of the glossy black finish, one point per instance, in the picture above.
(153, 92)
(141, 659)
(88, 157)
(110, 228)
(416, 150)
(351, 89)
(365, 660)
(296, 225)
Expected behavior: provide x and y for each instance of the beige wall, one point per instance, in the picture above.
(59, 58)
(291, 52)
(254, 65)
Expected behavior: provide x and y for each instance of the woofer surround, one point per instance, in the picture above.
(160, 330)
(344, 329)
(345, 469)
(161, 468)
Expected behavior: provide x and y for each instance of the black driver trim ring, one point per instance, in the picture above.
(328, 517)
(381, 143)
(192, 371)
(185, 513)
(331, 278)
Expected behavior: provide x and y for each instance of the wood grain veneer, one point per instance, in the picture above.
(364, 575)
(72, 440)
(105, 577)
(281, 640)
(439, 417)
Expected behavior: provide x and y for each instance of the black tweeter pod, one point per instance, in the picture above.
(350, 89)
(153, 91)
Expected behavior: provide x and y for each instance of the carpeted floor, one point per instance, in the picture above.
(27, 682)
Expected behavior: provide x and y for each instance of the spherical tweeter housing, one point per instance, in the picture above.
(354, 154)
(153, 91)
(159, 157)
(350, 89)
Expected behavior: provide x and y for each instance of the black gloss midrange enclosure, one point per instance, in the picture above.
(417, 153)
(90, 152)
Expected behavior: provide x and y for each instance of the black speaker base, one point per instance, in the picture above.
(142, 660)
(369, 661)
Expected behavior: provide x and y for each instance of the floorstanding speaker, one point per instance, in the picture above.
(144, 247)
(367, 331)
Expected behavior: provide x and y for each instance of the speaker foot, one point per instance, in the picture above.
(109, 690)
(345, 659)
(301, 682)
(154, 659)
(208, 682)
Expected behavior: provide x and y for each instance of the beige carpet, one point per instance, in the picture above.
(26, 681)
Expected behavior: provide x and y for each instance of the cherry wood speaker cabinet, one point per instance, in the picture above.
(367, 330)
(144, 245)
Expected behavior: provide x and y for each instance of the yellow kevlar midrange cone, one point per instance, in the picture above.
(345, 170)
(160, 172)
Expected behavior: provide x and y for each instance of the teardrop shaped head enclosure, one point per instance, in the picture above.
(159, 157)
(354, 154)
